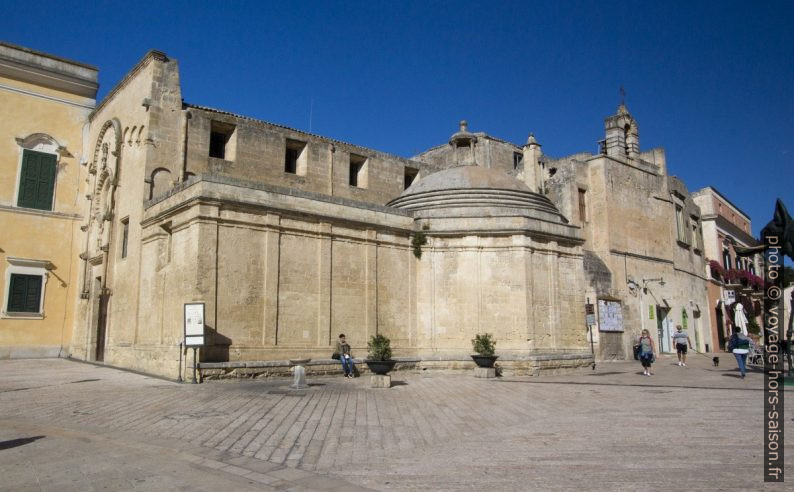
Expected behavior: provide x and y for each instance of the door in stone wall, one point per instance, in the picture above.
(663, 324)
(100, 327)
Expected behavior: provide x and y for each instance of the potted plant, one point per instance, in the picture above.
(379, 358)
(731, 277)
(484, 346)
(717, 271)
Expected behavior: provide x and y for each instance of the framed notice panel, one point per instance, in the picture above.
(194, 324)
(610, 315)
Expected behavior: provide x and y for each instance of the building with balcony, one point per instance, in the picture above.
(732, 278)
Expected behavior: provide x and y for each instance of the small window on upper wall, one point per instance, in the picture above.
(409, 176)
(582, 205)
(518, 158)
(681, 225)
(295, 157)
(358, 171)
(222, 141)
(37, 180)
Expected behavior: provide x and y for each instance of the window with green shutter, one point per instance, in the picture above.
(37, 180)
(24, 293)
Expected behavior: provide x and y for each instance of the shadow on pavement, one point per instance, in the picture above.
(18, 442)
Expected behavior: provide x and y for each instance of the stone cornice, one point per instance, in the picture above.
(42, 69)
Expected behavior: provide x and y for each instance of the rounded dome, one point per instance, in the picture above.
(466, 177)
(475, 191)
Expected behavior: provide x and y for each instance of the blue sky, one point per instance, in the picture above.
(711, 82)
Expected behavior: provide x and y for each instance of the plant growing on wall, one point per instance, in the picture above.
(484, 344)
(379, 348)
(419, 240)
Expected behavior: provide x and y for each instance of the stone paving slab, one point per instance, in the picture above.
(604, 430)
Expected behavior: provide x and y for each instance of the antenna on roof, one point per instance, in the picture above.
(311, 113)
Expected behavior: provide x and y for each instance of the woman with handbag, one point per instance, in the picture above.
(647, 352)
(344, 355)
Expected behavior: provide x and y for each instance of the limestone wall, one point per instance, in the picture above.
(488, 152)
(282, 275)
(256, 152)
(135, 142)
(631, 235)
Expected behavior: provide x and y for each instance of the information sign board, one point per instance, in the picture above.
(194, 324)
(610, 315)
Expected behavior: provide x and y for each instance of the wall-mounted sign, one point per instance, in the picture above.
(610, 315)
(194, 324)
(651, 311)
(730, 297)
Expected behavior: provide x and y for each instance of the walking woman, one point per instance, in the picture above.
(343, 349)
(739, 344)
(647, 352)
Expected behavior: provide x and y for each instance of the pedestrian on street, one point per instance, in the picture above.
(647, 352)
(345, 356)
(681, 341)
(739, 344)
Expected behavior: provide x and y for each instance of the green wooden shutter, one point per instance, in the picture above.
(24, 293)
(37, 183)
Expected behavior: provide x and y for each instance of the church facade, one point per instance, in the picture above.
(290, 238)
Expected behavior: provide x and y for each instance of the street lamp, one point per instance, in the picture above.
(646, 281)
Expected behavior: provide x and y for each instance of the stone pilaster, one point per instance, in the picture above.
(371, 287)
(325, 259)
(271, 276)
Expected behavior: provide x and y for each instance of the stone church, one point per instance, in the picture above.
(290, 238)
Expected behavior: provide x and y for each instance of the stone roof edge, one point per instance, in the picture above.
(150, 55)
(719, 194)
(48, 55)
(329, 139)
(225, 180)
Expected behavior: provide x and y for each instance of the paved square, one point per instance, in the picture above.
(72, 426)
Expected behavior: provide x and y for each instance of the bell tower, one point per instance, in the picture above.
(622, 135)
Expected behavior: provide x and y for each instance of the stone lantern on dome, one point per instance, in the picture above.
(463, 143)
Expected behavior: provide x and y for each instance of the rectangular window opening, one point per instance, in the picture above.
(409, 176)
(24, 293)
(358, 171)
(681, 224)
(37, 180)
(582, 205)
(295, 157)
(518, 158)
(222, 141)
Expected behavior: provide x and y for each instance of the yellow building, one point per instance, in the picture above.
(45, 102)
